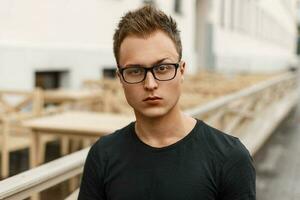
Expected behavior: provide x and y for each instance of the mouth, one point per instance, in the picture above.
(152, 98)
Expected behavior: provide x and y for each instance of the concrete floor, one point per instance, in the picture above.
(278, 162)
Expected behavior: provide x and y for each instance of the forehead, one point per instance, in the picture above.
(145, 50)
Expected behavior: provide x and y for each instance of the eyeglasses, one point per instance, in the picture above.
(161, 72)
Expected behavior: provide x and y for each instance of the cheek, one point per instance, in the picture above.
(174, 87)
(171, 91)
(132, 94)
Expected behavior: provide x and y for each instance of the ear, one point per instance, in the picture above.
(182, 67)
(182, 70)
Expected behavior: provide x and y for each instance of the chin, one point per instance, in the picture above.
(152, 112)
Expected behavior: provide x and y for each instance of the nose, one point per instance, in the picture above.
(150, 82)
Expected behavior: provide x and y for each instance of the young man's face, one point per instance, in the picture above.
(151, 98)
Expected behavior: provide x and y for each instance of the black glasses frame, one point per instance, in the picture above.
(121, 70)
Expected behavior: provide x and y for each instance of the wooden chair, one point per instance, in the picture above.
(13, 137)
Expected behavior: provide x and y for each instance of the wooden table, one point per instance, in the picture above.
(73, 124)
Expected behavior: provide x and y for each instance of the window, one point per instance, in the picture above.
(109, 73)
(149, 2)
(240, 12)
(232, 17)
(178, 6)
(222, 15)
(298, 45)
(49, 79)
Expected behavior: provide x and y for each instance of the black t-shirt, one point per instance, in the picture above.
(205, 165)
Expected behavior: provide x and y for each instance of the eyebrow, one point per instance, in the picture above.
(155, 63)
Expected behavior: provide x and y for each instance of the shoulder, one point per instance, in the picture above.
(221, 145)
(231, 159)
(111, 141)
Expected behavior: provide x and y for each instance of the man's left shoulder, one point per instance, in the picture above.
(223, 145)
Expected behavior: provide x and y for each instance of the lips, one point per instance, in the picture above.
(152, 98)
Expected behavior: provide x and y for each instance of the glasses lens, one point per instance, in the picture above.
(134, 74)
(165, 72)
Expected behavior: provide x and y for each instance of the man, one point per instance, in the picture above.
(164, 154)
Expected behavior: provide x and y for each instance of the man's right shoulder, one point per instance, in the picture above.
(114, 139)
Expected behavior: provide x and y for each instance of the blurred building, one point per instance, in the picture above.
(60, 43)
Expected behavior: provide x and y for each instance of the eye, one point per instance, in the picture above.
(163, 68)
(134, 71)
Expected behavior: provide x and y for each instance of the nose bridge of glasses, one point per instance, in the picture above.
(151, 70)
(149, 76)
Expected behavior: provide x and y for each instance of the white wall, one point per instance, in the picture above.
(61, 22)
(77, 35)
(256, 46)
(68, 35)
(57, 34)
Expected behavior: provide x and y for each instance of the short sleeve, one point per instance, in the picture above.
(91, 187)
(238, 175)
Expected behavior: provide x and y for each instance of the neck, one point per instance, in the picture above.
(163, 130)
